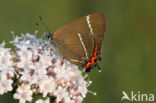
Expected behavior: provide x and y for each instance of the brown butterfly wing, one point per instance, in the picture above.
(98, 24)
(72, 49)
(68, 39)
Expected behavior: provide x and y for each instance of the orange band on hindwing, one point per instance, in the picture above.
(93, 58)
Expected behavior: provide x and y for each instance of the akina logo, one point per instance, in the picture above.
(137, 97)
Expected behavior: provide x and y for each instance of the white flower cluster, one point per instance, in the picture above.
(35, 69)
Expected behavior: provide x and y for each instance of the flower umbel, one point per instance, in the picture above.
(35, 68)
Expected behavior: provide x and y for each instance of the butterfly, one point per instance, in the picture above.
(80, 41)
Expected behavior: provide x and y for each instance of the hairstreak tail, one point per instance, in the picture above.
(80, 41)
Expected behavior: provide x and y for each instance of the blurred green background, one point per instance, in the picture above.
(129, 47)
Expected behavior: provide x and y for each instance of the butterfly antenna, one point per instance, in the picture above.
(45, 26)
